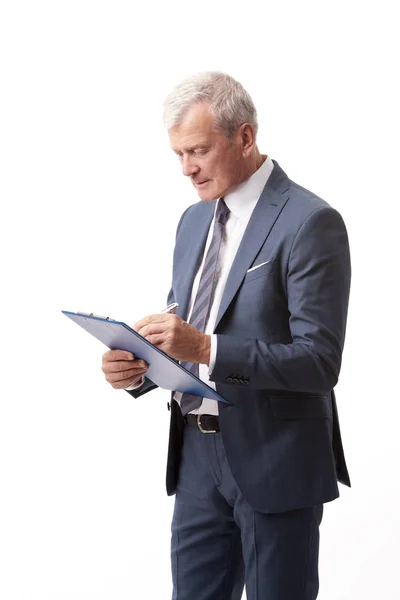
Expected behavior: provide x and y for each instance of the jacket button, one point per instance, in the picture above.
(236, 380)
(229, 380)
(246, 381)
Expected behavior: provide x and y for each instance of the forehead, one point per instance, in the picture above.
(197, 127)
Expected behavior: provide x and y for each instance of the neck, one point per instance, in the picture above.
(256, 161)
(259, 159)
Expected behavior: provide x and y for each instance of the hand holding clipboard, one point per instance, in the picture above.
(122, 368)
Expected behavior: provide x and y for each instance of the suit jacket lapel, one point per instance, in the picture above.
(272, 200)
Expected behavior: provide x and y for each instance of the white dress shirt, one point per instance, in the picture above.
(241, 202)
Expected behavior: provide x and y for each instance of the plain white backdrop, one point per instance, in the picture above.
(90, 198)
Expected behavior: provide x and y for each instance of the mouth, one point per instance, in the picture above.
(201, 183)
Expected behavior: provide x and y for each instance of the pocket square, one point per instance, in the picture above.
(258, 266)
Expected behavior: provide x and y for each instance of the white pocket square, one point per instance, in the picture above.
(258, 266)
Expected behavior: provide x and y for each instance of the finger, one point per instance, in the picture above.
(142, 322)
(151, 329)
(112, 355)
(157, 318)
(157, 340)
(125, 377)
(114, 377)
(119, 385)
(124, 365)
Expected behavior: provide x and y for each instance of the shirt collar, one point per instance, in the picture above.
(242, 200)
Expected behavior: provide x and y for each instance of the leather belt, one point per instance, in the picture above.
(206, 423)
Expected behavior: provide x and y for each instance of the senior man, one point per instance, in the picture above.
(261, 272)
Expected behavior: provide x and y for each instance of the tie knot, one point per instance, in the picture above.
(222, 212)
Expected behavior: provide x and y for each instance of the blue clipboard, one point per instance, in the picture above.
(163, 370)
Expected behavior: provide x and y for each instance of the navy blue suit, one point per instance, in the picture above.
(280, 336)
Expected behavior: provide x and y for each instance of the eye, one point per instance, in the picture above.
(200, 151)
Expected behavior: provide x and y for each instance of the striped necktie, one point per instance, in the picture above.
(202, 303)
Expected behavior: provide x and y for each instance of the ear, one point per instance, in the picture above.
(247, 138)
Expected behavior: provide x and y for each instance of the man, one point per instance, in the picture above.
(261, 273)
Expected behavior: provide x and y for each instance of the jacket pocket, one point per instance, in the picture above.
(309, 407)
(262, 271)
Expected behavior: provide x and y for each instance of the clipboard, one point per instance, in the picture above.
(163, 370)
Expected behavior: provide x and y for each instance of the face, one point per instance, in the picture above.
(214, 164)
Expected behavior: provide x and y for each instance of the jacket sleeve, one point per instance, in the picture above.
(318, 287)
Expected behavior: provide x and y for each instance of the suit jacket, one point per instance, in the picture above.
(280, 334)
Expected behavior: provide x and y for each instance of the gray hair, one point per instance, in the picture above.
(229, 102)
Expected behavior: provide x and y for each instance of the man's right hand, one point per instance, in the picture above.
(122, 369)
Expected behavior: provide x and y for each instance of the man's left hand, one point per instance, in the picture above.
(175, 337)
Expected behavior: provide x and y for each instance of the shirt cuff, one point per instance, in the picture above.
(135, 386)
(213, 353)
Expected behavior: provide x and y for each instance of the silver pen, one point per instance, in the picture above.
(170, 308)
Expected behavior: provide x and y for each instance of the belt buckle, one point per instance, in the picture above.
(204, 430)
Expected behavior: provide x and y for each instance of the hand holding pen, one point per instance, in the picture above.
(174, 336)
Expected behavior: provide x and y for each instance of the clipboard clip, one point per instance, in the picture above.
(85, 314)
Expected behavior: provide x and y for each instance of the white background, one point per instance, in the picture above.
(90, 198)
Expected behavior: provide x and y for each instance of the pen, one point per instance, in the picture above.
(170, 307)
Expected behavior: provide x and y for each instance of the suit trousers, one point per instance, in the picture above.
(220, 543)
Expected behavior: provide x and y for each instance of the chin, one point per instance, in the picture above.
(208, 195)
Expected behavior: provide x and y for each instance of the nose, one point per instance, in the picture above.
(189, 166)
